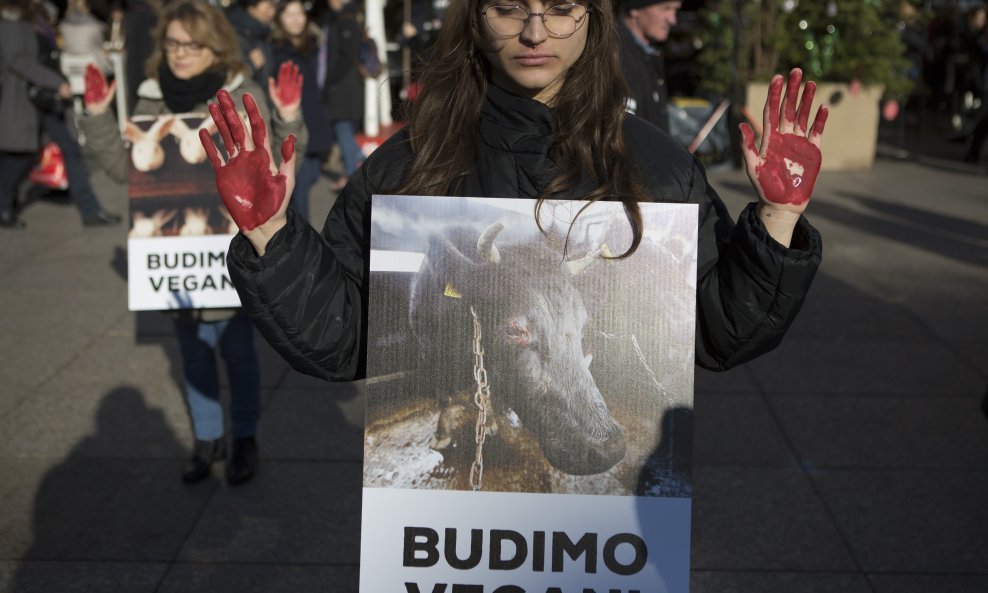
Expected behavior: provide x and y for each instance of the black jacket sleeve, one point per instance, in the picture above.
(306, 295)
(749, 286)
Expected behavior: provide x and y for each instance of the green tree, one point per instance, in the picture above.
(831, 40)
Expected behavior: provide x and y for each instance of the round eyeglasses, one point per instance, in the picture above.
(172, 46)
(560, 20)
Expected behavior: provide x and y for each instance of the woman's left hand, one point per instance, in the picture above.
(784, 168)
(286, 93)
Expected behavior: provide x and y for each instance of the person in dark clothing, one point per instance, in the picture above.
(532, 106)
(140, 16)
(643, 25)
(296, 39)
(251, 20)
(21, 35)
(343, 90)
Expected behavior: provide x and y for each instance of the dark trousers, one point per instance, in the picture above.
(14, 167)
(75, 168)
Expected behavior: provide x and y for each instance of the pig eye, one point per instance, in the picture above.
(518, 334)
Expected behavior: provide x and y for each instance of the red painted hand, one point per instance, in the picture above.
(98, 93)
(786, 168)
(287, 92)
(254, 192)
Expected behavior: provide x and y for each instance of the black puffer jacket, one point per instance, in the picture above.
(307, 294)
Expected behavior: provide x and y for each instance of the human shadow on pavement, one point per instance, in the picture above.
(947, 236)
(115, 498)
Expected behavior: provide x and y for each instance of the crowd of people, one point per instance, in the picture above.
(483, 102)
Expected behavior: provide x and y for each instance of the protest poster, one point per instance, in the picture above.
(529, 397)
(179, 230)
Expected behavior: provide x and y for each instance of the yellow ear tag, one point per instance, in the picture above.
(451, 291)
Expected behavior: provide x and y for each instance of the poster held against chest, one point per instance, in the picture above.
(179, 230)
(529, 407)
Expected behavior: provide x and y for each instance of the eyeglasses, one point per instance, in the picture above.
(171, 46)
(560, 20)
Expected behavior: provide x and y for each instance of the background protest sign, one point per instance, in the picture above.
(529, 410)
(179, 229)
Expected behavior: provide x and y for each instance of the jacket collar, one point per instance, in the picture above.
(510, 123)
(151, 88)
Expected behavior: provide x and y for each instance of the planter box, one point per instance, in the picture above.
(852, 127)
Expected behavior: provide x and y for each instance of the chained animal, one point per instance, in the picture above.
(531, 321)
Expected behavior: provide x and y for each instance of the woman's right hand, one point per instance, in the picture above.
(98, 94)
(253, 191)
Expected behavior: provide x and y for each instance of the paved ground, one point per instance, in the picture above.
(854, 459)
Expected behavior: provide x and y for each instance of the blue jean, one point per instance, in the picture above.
(349, 151)
(307, 176)
(198, 343)
(75, 169)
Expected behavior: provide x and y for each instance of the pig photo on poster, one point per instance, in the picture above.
(179, 229)
(502, 357)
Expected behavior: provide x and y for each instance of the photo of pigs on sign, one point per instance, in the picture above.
(179, 229)
(172, 188)
(507, 358)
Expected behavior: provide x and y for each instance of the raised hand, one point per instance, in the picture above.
(98, 94)
(786, 167)
(253, 191)
(286, 93)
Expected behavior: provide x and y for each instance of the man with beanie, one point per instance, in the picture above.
(643, 25)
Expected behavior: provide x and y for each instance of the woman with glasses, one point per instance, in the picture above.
(524, 98)
(196, 56)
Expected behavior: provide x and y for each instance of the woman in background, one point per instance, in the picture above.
(197, 55)
(296, 39)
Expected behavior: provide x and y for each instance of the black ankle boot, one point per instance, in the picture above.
(204, 455)
(243, 461)
(9, 220)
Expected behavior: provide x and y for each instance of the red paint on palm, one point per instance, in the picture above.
(96, 88)
(288, 90)
(250, 192)
(789, 170)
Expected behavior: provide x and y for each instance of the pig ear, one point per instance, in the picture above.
(132, 132)
(166, 127)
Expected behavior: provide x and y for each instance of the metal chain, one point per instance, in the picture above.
(482, 397)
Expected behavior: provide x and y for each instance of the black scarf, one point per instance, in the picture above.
(182, 96)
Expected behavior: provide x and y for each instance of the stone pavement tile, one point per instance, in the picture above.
(736, 380)
(776, 582)
(762, 519)
(290, 513)
(67, 275)
(113, 420)
(80, 577)
(80, 508)
(737, 430)
(44, 330)
(910, 521)
(835, 310)
(932, 583)
(885, 432)
(266, 578)
(865, 368)
(306, 424)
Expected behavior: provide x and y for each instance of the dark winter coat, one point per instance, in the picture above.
(252, 34)
(19, 66)
(646, 75)
(321, 136)
(343, 91)
(307, 293)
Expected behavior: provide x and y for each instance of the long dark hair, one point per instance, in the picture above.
(590, 109)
